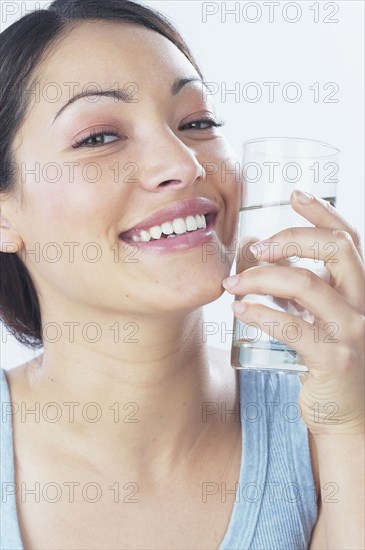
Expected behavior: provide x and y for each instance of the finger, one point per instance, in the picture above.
(293, 331)
(335, 248)
(322, 214)
(245, 258)
(301, 285)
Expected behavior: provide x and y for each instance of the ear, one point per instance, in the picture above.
(10, 240)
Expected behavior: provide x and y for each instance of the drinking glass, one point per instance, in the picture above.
(272, 169)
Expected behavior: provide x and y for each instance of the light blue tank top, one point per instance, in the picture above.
(275, 506)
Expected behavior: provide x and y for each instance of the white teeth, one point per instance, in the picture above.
(191, 224)
(145, 236)
(179, 226)
(156, 232)
(167, 228)
(200, 220)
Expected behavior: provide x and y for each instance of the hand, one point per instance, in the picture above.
(332, 396)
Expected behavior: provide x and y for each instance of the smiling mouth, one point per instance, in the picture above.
(170, 229)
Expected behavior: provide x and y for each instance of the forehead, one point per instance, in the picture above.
(104, 53)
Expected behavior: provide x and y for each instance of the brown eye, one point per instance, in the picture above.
(95, 139)
(203, 124)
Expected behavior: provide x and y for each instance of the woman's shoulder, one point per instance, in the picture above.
(15, 384)
(16, 377)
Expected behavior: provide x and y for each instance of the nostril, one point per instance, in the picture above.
(169, 182)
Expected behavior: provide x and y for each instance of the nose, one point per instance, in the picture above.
(168, 162)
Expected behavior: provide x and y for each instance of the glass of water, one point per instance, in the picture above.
(272, 169)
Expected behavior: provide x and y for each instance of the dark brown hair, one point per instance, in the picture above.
(24, 45)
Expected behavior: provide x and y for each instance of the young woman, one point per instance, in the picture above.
(127, 432)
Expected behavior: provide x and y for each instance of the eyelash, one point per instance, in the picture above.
(81, 142)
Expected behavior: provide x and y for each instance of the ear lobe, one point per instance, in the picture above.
(10, 240)
(4, 222)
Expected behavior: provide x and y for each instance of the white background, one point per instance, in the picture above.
(238, 50)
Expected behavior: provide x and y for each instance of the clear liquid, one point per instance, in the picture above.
(274, 356)
(255, 350)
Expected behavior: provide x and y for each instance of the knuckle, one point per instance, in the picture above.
(344, 237)
(291, 234)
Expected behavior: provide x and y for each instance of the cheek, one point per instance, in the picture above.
(230, 185)
(221, 163)
(224, 176)
(76, 206)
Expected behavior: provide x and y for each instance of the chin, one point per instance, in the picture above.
(192, 295)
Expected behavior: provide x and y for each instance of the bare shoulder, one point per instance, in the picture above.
(17, 376)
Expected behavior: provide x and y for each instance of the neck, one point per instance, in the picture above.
(141, 404)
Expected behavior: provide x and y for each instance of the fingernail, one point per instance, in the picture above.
(302, 197)
(230, 282)
(239, 307)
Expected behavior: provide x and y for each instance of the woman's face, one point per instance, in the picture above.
(80, 193)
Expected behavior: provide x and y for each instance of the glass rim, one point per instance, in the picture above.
(334, 150)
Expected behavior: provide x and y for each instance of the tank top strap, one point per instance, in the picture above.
(10, 538)
(275, 506)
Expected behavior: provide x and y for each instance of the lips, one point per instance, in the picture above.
(182, 209)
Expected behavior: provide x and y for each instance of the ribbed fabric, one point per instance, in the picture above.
(275, 507)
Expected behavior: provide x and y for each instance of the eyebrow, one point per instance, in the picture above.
(123, 95)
